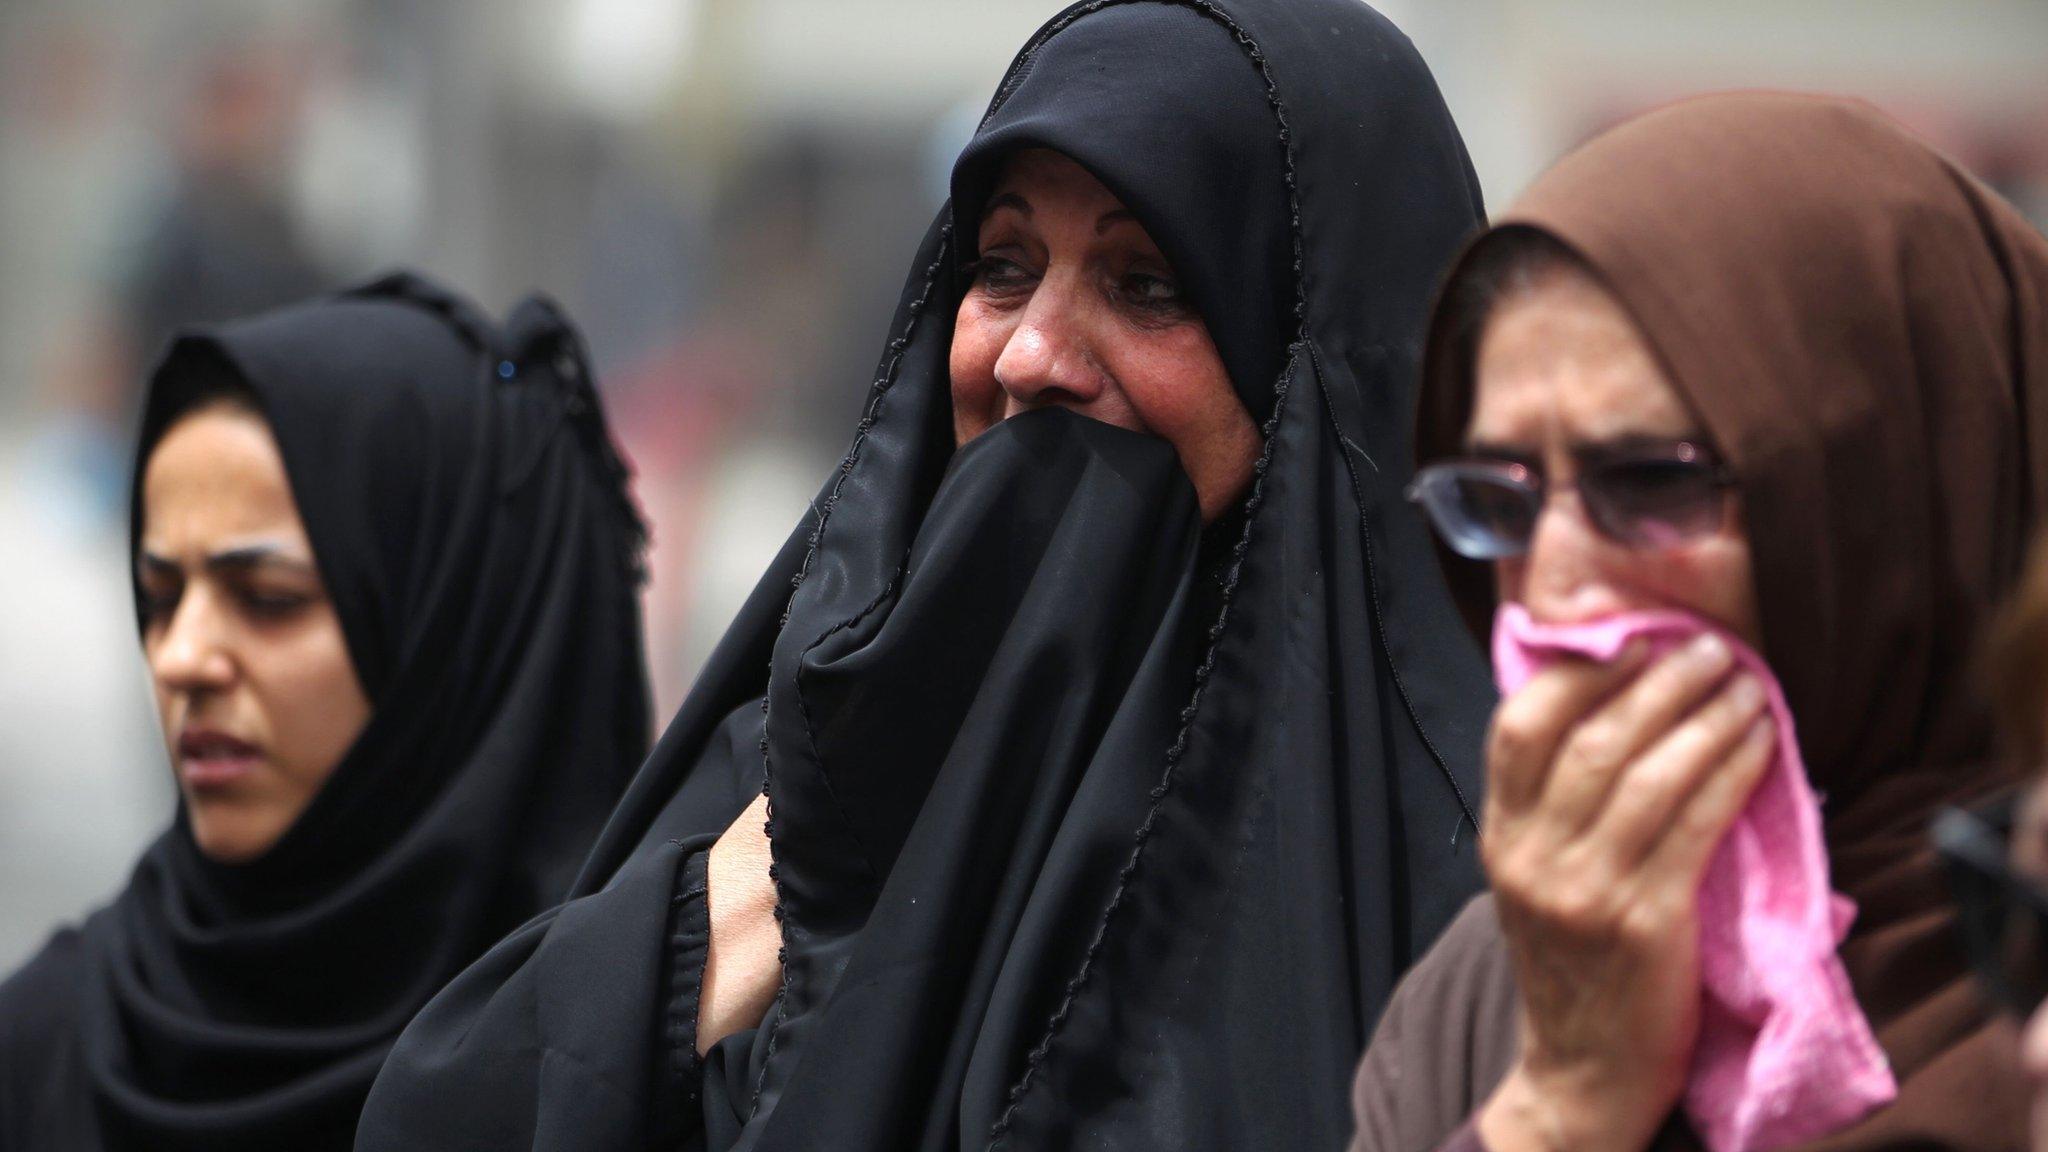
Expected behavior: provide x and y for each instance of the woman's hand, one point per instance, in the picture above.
(1610, 787)
(743, 966)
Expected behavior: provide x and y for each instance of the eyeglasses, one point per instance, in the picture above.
(2004, 914)
(1642, 495)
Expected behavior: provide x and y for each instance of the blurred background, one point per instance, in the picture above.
(725, 192)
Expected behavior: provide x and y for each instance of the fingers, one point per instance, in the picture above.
(1597, 749)
(1684, 846)
(1666, 777)
(1528, 726)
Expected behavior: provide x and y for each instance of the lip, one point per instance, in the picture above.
(209, 759)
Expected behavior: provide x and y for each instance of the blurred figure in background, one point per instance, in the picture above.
(386, 572)
(1746, 401)
(224, 242)
(215, 239)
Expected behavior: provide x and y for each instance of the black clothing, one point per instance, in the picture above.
(1081, 839)
(470, 522)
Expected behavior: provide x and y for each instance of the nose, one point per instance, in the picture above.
(190, 656)
(1048, 359)
(1571, 572)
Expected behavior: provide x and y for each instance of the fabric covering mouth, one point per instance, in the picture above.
(1055, 554)
(1784, 1053)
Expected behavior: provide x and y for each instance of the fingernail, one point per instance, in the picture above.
(1708, 651)
(1747, 694)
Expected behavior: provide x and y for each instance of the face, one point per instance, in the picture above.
(254, 685)
(1073, 306)
(1563, 372)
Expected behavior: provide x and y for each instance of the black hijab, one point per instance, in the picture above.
(1079, 837)
(470, 520)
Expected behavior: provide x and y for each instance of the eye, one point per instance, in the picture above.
(1150, 289)
(1655, 484)
(157, 604)
(1152, 297)
(1000, 276)
(157, 593)
(273, 604)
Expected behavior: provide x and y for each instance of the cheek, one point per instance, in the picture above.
(1579, 577)
(313, 705)
(1700, 577)
(1510, 580)
(1175, 383)
(165, 699)
(1727, 589)
(1714, 579)
(979, 334)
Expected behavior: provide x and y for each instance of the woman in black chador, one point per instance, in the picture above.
(1120, 742)
(386, 575)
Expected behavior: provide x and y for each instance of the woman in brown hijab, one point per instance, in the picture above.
(1844, 339)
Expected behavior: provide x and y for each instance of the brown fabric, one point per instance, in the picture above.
(1446, 1040)
(1466, 1139)
(1450, 1034)
(1863, 328)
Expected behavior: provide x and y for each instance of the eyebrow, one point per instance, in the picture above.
(1627, 443)
(1510, 453)
(1114, 217)
(240, 559)
(1007, 200)
(1103, 223)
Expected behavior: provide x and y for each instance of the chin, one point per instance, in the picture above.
(231, 838)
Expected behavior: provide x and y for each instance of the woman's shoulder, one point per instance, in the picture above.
(1446, 1039)
(39, 1000)
(1470, 957)
(38, 1036)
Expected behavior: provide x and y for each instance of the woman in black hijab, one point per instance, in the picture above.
(1096, 820)
(387, 578)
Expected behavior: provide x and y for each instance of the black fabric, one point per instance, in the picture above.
(1081, 838)
(469, 518)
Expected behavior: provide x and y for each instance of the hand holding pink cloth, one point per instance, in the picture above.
(1784, 1053)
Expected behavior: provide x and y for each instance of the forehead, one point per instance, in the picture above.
(217, 474)
(1045, 178)
(1563, 357)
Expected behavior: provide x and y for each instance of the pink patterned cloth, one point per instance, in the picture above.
(1784, 1052)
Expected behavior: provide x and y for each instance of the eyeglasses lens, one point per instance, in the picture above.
(1653, 503)
(2022, 958)
(1482, 512)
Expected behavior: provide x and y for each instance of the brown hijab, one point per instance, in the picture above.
(1863, 328)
